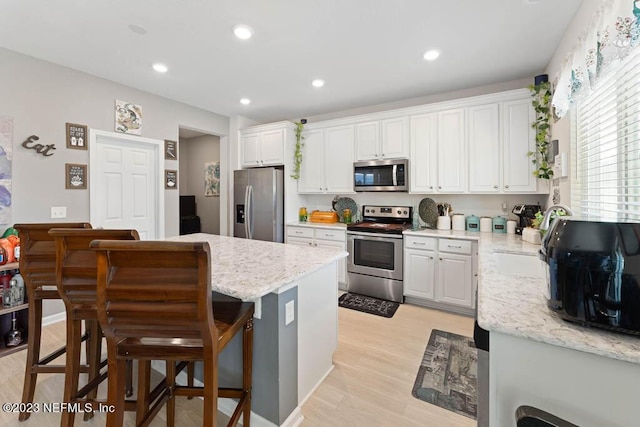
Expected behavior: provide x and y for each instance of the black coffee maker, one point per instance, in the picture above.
(526, 213)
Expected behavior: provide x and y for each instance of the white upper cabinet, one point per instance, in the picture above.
(423, 164)
(485, 162)
(519, 139)
(382, 139)
(452, 151)
(327, 161)
(263, 145)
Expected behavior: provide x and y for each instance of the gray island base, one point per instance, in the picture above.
(295, 327)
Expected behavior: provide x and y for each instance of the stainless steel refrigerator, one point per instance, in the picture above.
(258, 198)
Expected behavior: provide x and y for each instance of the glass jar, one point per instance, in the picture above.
(346, 215)
(302, 214)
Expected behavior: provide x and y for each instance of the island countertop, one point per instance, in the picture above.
(517, 306)
(249, 269)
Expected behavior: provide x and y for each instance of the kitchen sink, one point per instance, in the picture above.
(519, 264)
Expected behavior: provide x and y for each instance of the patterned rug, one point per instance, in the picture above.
(448, 374)
(370, 305)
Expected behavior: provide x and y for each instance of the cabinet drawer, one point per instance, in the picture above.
(455, 246)
(300, 232)
(326, 234)
(414, 242)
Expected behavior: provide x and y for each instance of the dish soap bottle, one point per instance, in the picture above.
(415, 220)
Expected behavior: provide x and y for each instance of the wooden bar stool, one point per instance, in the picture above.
(38, 268)
(76, 270)
(154, 303)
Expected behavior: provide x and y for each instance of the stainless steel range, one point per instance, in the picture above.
(375, 248)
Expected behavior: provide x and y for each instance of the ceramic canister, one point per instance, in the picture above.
(485, 224)
(511, 226)
(473, 223)
(499, 224)
(457, 222)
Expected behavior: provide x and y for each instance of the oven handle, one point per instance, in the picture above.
(372, 236)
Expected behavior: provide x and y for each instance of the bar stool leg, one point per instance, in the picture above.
(247, 365)
(171, 383)
(210, 379)
(72, 374)
(142, 401)
(115, 388)
(191, 370)
(33, 353)
(93, 359)
(129, 379)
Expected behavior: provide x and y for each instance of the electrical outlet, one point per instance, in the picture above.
(289, 312)
(58, 212)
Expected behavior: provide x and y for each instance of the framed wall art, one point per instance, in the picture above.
(128, 118)
(6, 156)
(76, 136)
(170, 179)
(212, 179)
(75, 176)
(170, 150)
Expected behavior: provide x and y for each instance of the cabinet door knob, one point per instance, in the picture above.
(431, 187)
(495, 186)
(310, 244)
(315, 244)
(257, 162)
(383, 155)
(320, 188)
(440, 259)
(506, 186)
(440, 187)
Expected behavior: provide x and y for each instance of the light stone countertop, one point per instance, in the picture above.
(249, 269)
(517, 306)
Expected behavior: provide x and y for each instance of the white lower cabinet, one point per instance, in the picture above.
(322, 238)
(440, 272)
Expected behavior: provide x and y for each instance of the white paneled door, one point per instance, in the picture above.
(127, 183)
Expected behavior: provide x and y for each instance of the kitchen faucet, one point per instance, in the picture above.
(544, 225)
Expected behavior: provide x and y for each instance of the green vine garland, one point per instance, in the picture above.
(297, 154)
(541, 101)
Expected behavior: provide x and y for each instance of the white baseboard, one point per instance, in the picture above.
(227, 406)
(315, 387)
(54, 318)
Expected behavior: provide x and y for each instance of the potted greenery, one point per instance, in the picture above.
(541, 102)
(297, 153)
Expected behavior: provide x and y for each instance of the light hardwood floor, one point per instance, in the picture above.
(375, 367)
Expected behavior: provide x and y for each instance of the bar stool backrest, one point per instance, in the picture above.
(38, 254)
(156, 291)
(76, 263)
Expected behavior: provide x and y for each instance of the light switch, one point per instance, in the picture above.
(58, 212)
(289, 312)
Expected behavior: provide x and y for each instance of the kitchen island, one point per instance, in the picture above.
(587, 376)
(295, 325)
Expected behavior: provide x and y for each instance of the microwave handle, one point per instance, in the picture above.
(395, 175)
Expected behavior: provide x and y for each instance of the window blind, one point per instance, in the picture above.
(607, 146)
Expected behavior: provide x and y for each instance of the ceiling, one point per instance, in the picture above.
(368, 52)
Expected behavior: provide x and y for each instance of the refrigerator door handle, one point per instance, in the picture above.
(246, 212)
(249, 212)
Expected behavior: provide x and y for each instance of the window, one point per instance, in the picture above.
(607, 146)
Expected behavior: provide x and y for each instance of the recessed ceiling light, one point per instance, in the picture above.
(430, 55)
(242, 32)
(138, 29)
(317, 83)
(161, 68)
(245, 101)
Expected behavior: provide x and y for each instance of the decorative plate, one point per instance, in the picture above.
(346, 203)
(428, 210)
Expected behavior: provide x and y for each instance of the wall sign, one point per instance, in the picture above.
(170, 179)
(76, 136)
(170, 150)
(45, 150)
(75, 176)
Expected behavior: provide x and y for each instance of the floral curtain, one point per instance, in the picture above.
(614, 33)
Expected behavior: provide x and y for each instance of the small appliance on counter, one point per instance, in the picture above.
(593, 273)
(473, 223)
(323, 216)
(526, 215)
(499, 224)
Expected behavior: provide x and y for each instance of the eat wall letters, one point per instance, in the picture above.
(40, 149)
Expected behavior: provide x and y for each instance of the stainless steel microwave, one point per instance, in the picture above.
(381, 175)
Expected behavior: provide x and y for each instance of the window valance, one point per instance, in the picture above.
(615, 31)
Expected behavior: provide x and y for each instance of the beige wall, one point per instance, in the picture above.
(194, 153)
(41, 97)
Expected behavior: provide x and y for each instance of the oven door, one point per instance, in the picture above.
(375, 254)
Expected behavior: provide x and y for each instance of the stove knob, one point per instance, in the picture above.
(405, 212)
(373, 211)
(367, 211)
(399, 212)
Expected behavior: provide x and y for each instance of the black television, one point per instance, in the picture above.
(187, 206)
